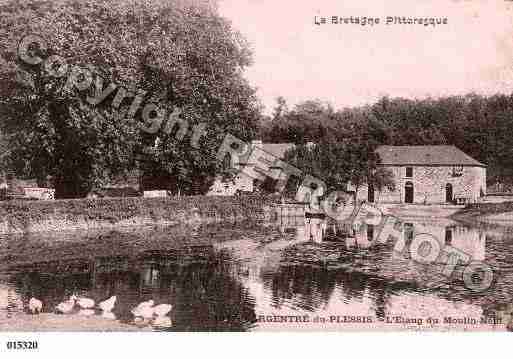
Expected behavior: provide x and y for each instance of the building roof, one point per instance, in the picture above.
(277, 149)
(426, 156)
(274, 149)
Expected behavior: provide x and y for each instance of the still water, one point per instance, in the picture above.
(292, 274)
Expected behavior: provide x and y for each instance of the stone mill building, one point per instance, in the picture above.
(429, 175)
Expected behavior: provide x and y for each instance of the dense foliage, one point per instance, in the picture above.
(23, 216)
(342, 162)
(179, 53)
(478, 125)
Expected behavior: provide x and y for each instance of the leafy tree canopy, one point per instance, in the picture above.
(177, 53)
(338, 163)
(478, 125)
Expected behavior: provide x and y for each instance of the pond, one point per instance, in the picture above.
(291, 274)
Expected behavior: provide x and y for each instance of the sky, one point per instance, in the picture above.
(350, 65)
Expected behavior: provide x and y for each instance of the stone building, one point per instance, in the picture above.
(422, 174)
(268, 154)
(429, 175)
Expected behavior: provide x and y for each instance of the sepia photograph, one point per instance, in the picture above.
(255, 166)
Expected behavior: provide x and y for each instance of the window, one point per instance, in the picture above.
(448, 236)
(370, 193)
(227, 162)
(457, 171)
(409, 172)
(408, 232)
(408, 192)
(370, 232)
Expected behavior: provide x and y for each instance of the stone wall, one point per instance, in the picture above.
(429, 185)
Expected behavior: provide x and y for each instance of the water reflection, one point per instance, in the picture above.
(375, 282)
(224, 277)
(195, 279)
(471, 241)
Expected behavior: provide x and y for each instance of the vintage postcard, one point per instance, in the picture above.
(255, 166)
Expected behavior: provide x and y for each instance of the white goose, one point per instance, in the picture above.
(108, 305)
(143, 312)
(144, 309)
(108, 315)
(67, 306)
(162, 309)
(35, 306)
(161, 319)
(86, 312)
(85, 303)
(150, 303)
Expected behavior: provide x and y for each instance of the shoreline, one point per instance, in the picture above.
(51, 322)
(491, 214)
(26, 217)
(126, 213)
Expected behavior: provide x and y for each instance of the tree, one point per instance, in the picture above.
(176, 54)
(281, 108)
(307, 121)
(341, 162)
(477, 125)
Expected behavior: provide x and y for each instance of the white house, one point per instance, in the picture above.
(268, 154)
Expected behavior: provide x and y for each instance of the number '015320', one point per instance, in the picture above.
(21, 345)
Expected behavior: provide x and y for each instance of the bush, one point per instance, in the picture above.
(21, 214)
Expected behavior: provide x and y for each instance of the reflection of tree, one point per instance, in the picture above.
(352, 285)
(203, 293)
(52, 288)
(208, 298)
(381, 290)
(309, 288)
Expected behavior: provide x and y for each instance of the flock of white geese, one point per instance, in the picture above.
(145, 313)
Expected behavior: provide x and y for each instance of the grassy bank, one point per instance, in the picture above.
(85, 214)
(477, 211)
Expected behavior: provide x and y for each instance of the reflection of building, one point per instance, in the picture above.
(470, 241)
(313, 230)
(150, 276)
(193, 279)
(362, 239)
(429, 174)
